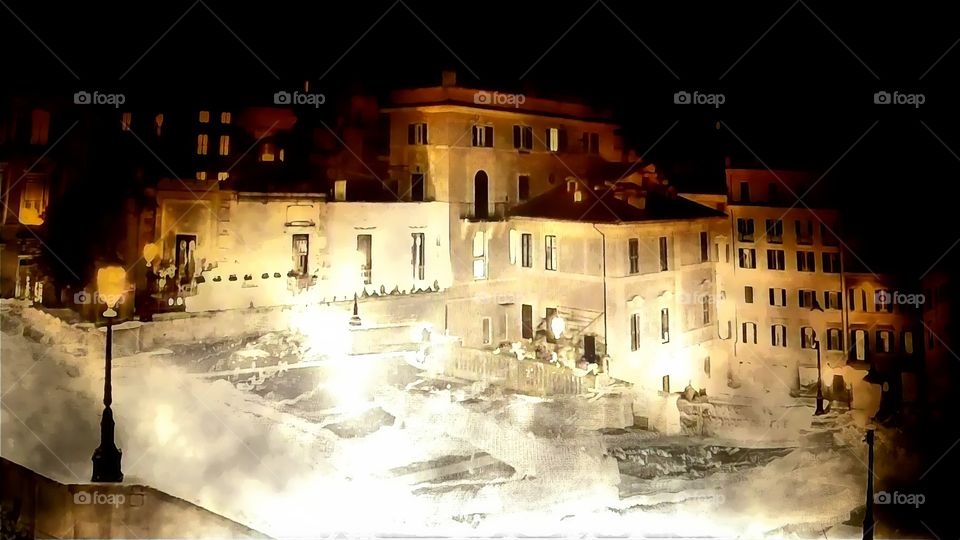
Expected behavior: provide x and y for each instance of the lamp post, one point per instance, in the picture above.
(106, 458)
(816, 309)
(868, 521)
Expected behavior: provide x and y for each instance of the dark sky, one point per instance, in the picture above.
(798, 77)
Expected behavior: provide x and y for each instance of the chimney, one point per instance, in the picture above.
(448, 78)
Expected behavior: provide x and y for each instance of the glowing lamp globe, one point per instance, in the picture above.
(111, 286)
(557, 326)
(150, 252)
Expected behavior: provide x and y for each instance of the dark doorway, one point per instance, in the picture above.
(526, 321)
(481, 195)
(590, 348)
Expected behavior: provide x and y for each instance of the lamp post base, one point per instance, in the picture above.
(819, 410)
(106, 464)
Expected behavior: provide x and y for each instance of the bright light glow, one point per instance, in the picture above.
(111, 285)
(150, 252)
(557, 326)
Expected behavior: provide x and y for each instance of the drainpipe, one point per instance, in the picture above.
(604, 255)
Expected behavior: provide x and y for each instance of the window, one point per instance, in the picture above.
(906, 342)
(775, 231)
(267, 152)
(704, 247)
(523, 187)
(804, 232)
(834, 339)
(486, 331)
(221, 176)
(635, 332)
(556, 139)
(860, 344)
(633, 253)
(748, 257)
(364, 248)
(831, 262)
(514, 246)
(482, 136)
(778, 297)
(301, 253)
(526, 250)
(418, 251)
(748, 332)
(748, 294)
(479, 255)
(417, 133)
(224, 145)
(805, 298)
(665, 325)
(745, 229)
(39, 126)
(591, 143)
(705, 302)
(417, 188)
(201, 175)
(884, 341)
(883, 300)
(832, 300)
(523, 138)
(33, 200)
(550, 251)
(125, 120)
(851, 300)
(340, 190)
(225, 117)
(664, 255)
(806, 261)
(808, 338)
(526, 321)
(202, 140)
(744, 191)
(775, 259)
(158, 123)
(827, 237)
(204, 117)
(280, 154)
(778, 335)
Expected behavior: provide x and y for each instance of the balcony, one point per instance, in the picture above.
(494, 212)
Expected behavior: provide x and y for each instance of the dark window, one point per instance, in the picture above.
(773, 192)
(416, 187)
(744, 191)
(775, 259)
(417, 133)
(664, 258)
(550, 252)
(419, 259)
(804, 232)
(834, 339)
(806, 261)
(364, 245)
(775, 231)
(778, 335)
(483, 136)
(831, 263)
(706, 309)
(634, 255)
(805, 298)
(591, 143)
(526, 250)
(526, 321)
(807, 338)
(523, 138)
(748, 294)
(745, 229)
(523, 187)
(827, 237)
(704, 247)
(634, 332)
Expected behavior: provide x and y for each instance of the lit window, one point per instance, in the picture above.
(550, 251)
(202, 141)
(301, 254)
(778, 297)
(340, 190)
(748, 332)
(591, 143)
(554, 139)
(479, 255)
(805, 298)
(635, 332)
(221, 176)
(834, 339)
(224, 145)
(267, 152)
(884, 341)
(125, 120)
(775, 259)
(33, 200)
(906, 342)
(365, 250)
(832, 300)
(204, 117)
(748, 257)
(417, 133)
(778, 335)
(280, 154)
(158, 123)
(39, 126)
(225, 118)
(807, 338)
(806, 261)
(201, 175)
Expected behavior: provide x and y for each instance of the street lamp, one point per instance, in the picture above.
(557, 326)
(815, 308)
(150, 252)
(111, 285)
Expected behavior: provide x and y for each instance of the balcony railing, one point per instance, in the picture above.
(494, 212)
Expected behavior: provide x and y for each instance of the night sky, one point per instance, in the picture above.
(798, 78)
